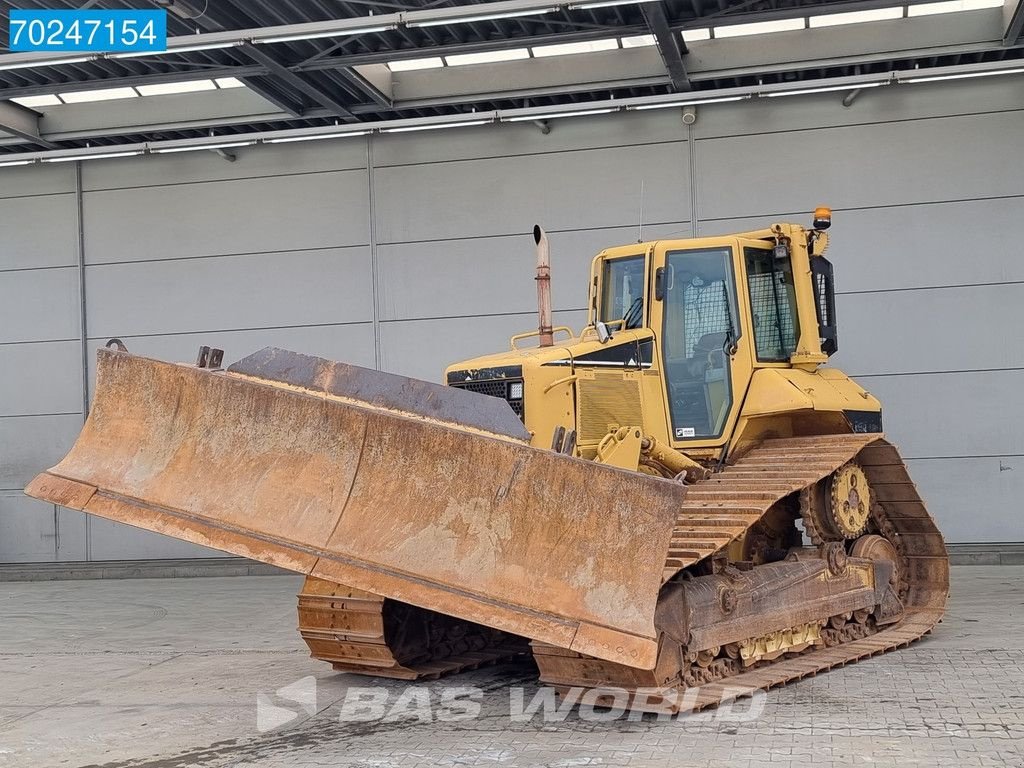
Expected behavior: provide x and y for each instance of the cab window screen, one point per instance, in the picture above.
(773, 305)
(622, 291)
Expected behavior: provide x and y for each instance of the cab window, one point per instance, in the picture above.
(772, 304)
(622, 291)
(700, 330)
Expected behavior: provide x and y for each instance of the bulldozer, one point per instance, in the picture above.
(680, 501)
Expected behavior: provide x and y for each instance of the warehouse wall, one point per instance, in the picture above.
(410, 251)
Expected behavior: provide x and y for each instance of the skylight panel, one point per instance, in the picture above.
(566, 49)
(693, 35)
(638, 41)
(229, 82)
(410, 65)
(488, 57)
(952, 6)
(759, 28)
(45, 100)
(102, 94)
(188, 86)
(857, 17)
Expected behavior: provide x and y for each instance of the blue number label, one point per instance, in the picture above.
(88, 30)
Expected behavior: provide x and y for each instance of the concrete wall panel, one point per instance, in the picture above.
(40, 378)
(945, 329)
(27, 529)
(39, 305)
(914, 161)
(260, 215)
(232, 292)
(503, 196)
(39, 231)
(952, 414)
(30, 444)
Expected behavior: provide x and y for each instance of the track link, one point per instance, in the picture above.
(363, 633)
(719, 510)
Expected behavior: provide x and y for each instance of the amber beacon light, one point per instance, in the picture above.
(822, 218)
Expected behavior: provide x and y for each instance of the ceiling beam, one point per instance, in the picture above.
(1013, 16)
(670, 44)
(22, 123)
(298, 82)
(189, 12)
(373, 81)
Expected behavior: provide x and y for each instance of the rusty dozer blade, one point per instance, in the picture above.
(417, 492)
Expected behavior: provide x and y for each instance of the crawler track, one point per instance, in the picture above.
(719, 510)
(366, 634)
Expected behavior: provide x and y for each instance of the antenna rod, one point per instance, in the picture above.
(640, 226)
(543, 278)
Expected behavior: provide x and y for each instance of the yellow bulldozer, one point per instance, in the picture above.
(679, 501)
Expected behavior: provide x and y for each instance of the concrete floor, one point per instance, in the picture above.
(167, 673)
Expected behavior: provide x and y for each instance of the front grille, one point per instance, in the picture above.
(496, 388)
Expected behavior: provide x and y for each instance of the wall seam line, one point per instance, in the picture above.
(84, 331)
(374, 276)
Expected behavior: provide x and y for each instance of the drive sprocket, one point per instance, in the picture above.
(837, 508)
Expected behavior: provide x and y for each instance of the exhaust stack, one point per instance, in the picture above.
(543, 287)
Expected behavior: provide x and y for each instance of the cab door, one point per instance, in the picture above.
(698, 314)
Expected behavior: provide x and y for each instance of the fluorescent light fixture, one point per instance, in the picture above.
(487, 57)
(952, 6)
(316, 137)
(961, 76)
(103, 156)
(825, 89)
(433, 126)
(856, 17)
(567, 49)
(694, 35)
(228, 82)
(638, 41)
(759, 28)
(45, 100)
(687, 103)
(556, 115)
(46, 62)
(604, 4)
(318, 35)
(100, 94)
(410, 65)
(181, 49)
(478, 17)
(185, 86)
(11, 163)
(196, 147)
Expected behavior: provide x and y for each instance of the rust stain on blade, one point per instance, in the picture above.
(490, 530)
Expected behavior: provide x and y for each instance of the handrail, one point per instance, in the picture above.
(520, 336)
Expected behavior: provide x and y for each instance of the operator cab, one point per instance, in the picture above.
(718, 309)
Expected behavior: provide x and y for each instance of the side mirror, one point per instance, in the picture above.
(603, 334)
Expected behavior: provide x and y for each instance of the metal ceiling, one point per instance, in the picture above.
(313, 82)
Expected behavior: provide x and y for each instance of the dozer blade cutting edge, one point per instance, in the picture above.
(421, 493)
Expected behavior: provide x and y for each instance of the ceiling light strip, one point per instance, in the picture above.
(959, 75)
(557, 115)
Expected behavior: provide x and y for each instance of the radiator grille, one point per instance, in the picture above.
(606, 401)
(501, 388)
